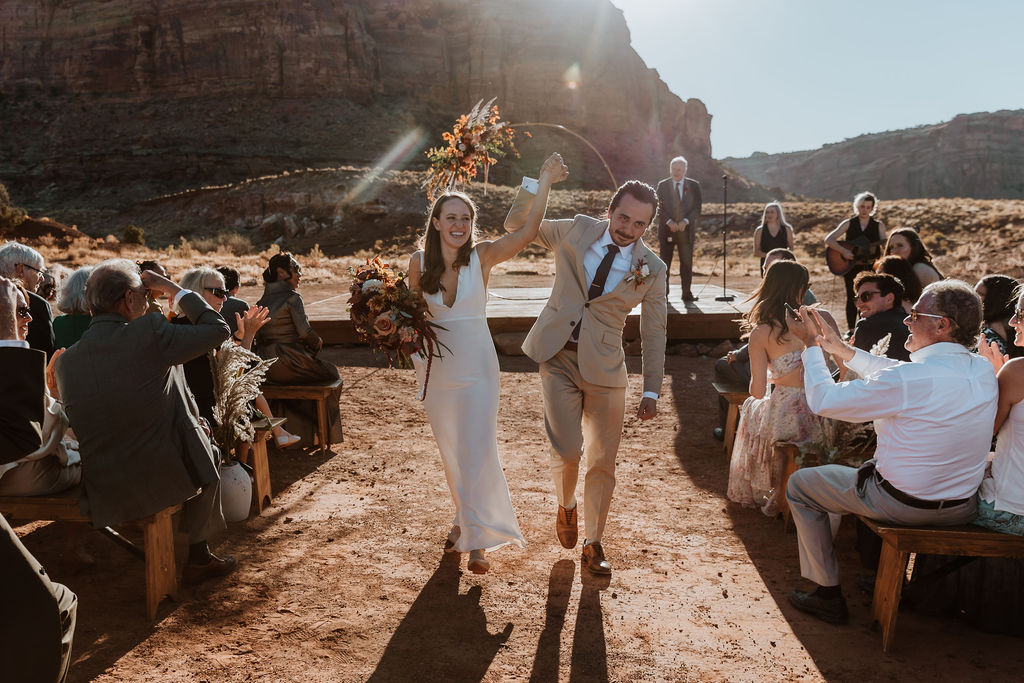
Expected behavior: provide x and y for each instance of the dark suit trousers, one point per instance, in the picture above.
(202, 515)
(685, 249)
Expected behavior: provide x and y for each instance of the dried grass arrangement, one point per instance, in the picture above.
(237, 376)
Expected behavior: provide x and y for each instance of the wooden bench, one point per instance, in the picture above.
(898, 542)
(158, 535)
(308, 392)
(260, 462)
(735, 395)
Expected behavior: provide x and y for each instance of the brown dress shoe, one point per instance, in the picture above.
(593, 559)
(197, 573)
(566, 527)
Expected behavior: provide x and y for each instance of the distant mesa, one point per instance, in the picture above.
(974, 155)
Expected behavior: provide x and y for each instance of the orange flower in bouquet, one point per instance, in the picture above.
(476, 140)
(390, 317)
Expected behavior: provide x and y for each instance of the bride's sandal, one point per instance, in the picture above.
(453, 537)
(478, 563)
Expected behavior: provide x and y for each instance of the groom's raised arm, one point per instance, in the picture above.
(551, 231)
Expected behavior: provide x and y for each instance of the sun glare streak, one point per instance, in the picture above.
(412, 143)
(571, 77)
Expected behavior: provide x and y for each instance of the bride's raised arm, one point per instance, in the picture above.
(502, 249)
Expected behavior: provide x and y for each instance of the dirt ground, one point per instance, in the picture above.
(342, 578)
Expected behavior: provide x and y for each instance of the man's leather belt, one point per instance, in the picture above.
(913, 502)
(571, 345)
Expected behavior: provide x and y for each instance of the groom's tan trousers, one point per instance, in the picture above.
(578, 413)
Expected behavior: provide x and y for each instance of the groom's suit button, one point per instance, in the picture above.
(587, 305)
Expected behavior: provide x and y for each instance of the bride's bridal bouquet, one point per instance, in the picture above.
(477, 138)
(390, 317)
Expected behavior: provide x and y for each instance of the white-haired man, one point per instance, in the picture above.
(23, 263)
(680, 204)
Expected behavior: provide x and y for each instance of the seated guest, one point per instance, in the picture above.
(933, 417)
(51, 280)
(34, 460)
(39, 616)
(25, 264)
(880, 304)
(781, 413)
(290, 338)
(155, 304)
(233, 305)
(907, 244)
(734, 367)
(70, 325)
(198, 372)
(996, 292)
(901, 269)
(144, 446)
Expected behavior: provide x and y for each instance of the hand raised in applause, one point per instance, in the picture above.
(251, 323)
(990, 351)
(827, 337)
(554, 169)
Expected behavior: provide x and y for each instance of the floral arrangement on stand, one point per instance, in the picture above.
(392, 318)
(476, 140)
(237, 376)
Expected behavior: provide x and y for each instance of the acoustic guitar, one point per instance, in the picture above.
(862, 255)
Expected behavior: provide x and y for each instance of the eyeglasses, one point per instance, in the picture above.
(1018, 314)
(38, 270)
(867, 296)
(914, 315)
(217, 292)
(24, 312)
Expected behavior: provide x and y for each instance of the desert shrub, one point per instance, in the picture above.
(201, 245)
(10, 215)
(237, 243)
(184, 248)
(315, 255)
(133, 235)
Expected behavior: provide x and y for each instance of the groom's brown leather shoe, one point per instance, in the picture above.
(566, 527)
(593, 559)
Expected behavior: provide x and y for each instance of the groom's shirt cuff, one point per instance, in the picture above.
(649, 394)
(531, 185)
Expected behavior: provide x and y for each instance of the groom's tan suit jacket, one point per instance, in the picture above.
(600, 353)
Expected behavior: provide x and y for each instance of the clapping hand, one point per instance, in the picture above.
(554, 169)
(990, 351)
(251, 323)
(827, 337)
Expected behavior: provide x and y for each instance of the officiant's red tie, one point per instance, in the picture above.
(597, 286)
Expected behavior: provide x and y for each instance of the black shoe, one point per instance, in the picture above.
(718, 433)
(832, 610)
(689, 297)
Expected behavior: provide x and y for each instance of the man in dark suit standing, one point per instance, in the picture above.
(25, 264)
(143, 445)
(679, 213)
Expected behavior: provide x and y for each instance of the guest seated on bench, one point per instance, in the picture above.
(71, 324)
(233, 304)
(933, 417)
(144, 446)
(290, 338)
(34, 459)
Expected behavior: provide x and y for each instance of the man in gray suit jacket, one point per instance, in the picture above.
(142, 444)
(681, 202)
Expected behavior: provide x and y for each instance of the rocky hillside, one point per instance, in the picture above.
(108, 103)
(974, 155)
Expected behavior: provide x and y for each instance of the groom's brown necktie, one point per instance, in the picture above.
(597, 286)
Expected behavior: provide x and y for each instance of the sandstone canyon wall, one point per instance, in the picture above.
(973, 155)
(122, 99)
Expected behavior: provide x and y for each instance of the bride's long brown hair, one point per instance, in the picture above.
(785, 282)
(430, 243)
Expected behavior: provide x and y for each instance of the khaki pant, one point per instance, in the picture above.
(577, 414)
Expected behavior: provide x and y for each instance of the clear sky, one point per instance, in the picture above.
(786, 75)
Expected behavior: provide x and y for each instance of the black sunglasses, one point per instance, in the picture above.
(24, 312)
(217, 292)
(867, 296)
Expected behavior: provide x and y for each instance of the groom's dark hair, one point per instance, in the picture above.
(639, 191)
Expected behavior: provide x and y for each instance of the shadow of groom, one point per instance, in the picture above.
(589, 659)
(444, 635)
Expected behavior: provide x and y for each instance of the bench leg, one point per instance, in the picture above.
(323, 424)
(732, 418)
(261, 470)
(892, 568)
(787, 453)
(161, 573)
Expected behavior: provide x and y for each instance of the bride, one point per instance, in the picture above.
(451, 271)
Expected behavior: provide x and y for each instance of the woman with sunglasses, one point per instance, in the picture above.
(290, 338)
(998, 301)
(209, 284)
(773, 414)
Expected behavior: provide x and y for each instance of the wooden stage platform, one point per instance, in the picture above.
(516, 309)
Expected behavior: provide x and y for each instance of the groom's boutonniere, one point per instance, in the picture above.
(641, 271)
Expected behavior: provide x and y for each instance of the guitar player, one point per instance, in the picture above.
(860, 225)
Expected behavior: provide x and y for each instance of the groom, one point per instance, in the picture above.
(602, 271)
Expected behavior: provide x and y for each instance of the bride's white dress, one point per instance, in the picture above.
(462, 406)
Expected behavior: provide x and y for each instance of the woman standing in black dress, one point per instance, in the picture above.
(773, 233)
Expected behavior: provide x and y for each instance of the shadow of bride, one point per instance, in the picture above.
(444, 635)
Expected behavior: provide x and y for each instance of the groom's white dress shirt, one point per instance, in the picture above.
(933, 416)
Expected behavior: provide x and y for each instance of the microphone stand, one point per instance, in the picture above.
(725, 229)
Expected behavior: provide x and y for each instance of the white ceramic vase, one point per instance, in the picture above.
(235, 491)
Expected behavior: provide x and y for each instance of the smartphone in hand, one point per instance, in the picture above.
(796, 316)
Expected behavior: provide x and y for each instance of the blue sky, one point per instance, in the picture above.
(787, 75)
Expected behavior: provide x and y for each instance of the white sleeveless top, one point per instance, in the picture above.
(1005, 488)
